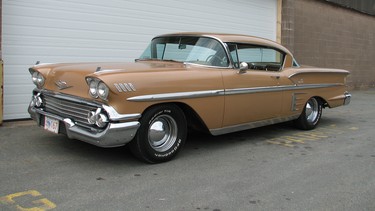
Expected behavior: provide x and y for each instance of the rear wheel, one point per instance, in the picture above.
(311, 115)
(161, 135)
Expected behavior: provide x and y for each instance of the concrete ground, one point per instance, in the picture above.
(270, 168)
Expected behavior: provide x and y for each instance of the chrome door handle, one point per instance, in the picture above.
(275, 76)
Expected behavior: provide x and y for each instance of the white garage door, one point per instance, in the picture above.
(111, 30)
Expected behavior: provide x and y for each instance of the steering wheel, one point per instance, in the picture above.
(214, 59)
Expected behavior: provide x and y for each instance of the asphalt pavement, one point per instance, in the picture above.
(271, 168)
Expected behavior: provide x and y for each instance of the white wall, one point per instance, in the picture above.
(111, 30)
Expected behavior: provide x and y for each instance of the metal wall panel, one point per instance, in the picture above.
(112, 30)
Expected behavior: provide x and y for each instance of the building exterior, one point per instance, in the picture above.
(319, 33)
(1, 66)
(333, 33)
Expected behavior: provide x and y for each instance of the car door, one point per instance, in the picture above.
(254, 94)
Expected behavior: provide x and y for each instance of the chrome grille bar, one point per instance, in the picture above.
(76, 111)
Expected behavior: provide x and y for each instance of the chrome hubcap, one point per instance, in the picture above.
(312, 110)
(162, 133)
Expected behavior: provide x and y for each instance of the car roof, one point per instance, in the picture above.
(234, 38)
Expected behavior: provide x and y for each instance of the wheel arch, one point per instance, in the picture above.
(194, 121)
(322, 101)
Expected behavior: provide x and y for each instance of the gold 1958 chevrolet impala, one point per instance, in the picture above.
(219, 83)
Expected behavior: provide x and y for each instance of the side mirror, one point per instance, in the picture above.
(243, 67)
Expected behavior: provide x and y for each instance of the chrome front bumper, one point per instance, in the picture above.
(115, 134)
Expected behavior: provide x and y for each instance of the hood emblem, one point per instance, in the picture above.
(62, 84)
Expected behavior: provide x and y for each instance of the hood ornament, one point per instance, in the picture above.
(62, 84)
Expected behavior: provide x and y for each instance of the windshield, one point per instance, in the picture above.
(197, 50)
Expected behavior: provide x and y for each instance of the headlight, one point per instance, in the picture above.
(103, 91)
(97, 88)
(93, 88)
(38, 79)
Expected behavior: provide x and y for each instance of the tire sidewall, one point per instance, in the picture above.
(145, 149)
(302, 121)
(317, 119)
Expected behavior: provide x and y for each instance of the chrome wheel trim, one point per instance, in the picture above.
(162, 133)
(312, 110)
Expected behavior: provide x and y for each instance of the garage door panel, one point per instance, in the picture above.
(113, 30)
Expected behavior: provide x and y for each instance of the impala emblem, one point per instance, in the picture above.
(62, 84)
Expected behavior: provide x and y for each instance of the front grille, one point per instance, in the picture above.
(68, 109)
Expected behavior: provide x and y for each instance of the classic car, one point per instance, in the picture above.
(219, 83)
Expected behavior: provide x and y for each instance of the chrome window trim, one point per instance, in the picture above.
(230, 65)
(285, 54)
(283, 66)
(295, 63)
(207, 66)
(221, 92)
(225, 48)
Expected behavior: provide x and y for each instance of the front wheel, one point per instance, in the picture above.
(311, 115)
(161, 135)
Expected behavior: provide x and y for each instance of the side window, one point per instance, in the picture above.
(260, 57)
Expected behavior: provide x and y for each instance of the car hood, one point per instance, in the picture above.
(69, 78)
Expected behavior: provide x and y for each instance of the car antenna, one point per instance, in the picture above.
(37, 62)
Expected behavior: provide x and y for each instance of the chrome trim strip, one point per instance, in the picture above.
(124, 87)
(114, 116)
(206, 66)
(250, 125)
(132, 87)
(295, 101)
(319, 71)
(276, 88)
(118, 87)
(127, 87)
(213, 93)
(177, 95)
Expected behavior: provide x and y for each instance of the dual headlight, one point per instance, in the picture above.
(38, 79)
(97, 88)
